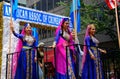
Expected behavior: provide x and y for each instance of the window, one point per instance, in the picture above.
(46, 5)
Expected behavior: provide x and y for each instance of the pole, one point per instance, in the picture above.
(10, 31)
(9, 50)
(118, 30)
(75, 15)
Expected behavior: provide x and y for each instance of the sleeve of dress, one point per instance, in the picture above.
(56, 38)
(34, 46)
(87, 40)
(20, 36)
(35, 43)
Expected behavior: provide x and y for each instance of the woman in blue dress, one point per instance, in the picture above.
(91, 63)
(24, 66)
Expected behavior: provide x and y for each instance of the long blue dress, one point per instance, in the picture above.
(92, 68)
(26, 66)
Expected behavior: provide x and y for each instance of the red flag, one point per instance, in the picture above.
(111, 3)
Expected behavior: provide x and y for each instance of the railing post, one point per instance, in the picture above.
(67, 61)
(6, 65)
(12, 66)
(37, 63)
(55, 63)
(30, 64)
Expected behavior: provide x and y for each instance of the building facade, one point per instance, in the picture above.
(43, 5)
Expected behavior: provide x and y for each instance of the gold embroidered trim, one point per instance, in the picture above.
(1, 32)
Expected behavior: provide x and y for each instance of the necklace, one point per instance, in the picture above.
(29, 40)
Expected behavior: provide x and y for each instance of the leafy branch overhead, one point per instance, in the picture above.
(98, 14)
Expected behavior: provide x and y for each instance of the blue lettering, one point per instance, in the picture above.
(34, 16)
(50, 20)
(44, 18)
(39, 18)
(7, 10)
(22, 13)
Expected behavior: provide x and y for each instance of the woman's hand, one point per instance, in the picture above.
(41, 65)
(103, 51)
(53, 46)
(73, 34)
(35, 59)
(92, 57)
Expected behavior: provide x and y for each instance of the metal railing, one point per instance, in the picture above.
(47, 65)
(110, 63)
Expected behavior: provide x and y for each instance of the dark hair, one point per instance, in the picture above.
(26, 24)
(65, 19)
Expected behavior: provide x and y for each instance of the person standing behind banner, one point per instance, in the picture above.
(64, 38)
(91, 63)
(40, 59)
(21, 67)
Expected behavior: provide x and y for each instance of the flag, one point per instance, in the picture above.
(111, 3)
(35, 35)
(75, 8)
(14, 6)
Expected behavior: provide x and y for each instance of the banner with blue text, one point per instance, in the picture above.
(32, 15)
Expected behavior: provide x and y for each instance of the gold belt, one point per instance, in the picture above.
(93, 48)
(26, 47)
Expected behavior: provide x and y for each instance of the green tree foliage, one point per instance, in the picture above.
(98, 14)
(66, 4)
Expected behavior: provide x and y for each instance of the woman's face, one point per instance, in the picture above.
(92, 30)
(66, 25)
(28, 29)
